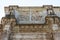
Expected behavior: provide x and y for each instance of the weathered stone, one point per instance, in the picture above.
(25, 23)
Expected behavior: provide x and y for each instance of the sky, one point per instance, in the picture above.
(4, 3)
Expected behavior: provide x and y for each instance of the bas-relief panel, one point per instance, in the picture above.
(32, 15)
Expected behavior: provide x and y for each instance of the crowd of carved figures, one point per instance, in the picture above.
(31, 28)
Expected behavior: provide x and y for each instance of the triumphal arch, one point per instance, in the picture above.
(30, 23)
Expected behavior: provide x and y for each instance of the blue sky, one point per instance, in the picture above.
(26, 3)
